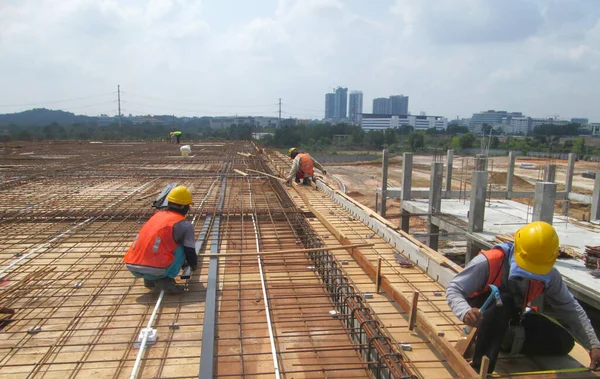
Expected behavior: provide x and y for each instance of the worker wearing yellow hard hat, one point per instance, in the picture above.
(303, 167)
(519, 273)
(164, 244)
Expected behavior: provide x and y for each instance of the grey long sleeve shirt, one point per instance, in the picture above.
(568, 311)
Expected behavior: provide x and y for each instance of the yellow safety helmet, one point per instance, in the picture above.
(180, 195)
(536, 247)
(290, 151)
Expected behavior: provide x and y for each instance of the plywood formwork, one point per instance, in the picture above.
(69, 212)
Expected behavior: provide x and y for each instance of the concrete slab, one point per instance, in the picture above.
(507, 216)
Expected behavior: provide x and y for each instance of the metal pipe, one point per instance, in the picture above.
(138, 360)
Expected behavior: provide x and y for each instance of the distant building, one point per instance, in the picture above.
(266, 122)
(355, 106)
(545, 121)
(399, 105)
(516, 125)
(492, 118)
(595, 128)
(382, 106)
(261, 135)
(580, 120)
(340, 104)
(147, 119)
(226, 122)
(329, 105)
(382, 122)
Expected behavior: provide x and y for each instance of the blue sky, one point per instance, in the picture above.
(217, 57)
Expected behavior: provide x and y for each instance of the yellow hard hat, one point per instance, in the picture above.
(290, 151)
(180, 195)
(536, 247)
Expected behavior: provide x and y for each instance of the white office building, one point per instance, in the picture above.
(382, 122)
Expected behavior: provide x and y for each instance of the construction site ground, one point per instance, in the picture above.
(71, 308)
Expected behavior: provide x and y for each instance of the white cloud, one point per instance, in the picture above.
(450, 56)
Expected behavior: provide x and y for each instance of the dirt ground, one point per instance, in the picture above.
(361, 178)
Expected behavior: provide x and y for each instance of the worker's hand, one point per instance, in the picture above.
(595, 359)
(472, 317)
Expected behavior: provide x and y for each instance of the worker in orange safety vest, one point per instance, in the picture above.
(522, 271)
(164, 244)
(303, 167)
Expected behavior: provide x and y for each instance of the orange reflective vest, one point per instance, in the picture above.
(495, 258)
(306, 164)
(154, 244)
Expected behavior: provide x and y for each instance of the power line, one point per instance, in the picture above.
(164, 100)
(57, 101)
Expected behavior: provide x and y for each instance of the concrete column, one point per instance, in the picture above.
(435, 203)
(407, 164)
(550, 173)
(569, 182)
(449, 159)
(595, 213)
(480, 163)
(476, 211)
(543, 202)
(384, 177)
(510, 173)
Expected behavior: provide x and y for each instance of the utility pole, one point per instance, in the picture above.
(279, 122)
(119, 100)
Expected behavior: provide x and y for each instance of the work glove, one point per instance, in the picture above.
(324, 172)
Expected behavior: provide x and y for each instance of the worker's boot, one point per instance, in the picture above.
(149, 283)
(169, 286)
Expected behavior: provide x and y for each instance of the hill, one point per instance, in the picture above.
(43, 116)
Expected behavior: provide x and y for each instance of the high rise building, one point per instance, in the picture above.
(329, 105)
(399, 105)
(382, 105)
(355, 106)
(341, 103)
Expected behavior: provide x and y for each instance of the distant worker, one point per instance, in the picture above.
(521, 271)
(172, 137)
(303, 167)
(177, 135)
(164, 244)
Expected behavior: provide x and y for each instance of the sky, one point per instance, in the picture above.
(225, 57)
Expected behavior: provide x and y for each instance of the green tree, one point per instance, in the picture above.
(494, 142)
(579, 146)
(456, 129)
(467, 141)
(390, 136)
(416, 141)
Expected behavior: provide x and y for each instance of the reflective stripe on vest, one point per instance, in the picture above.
(154, 244)
(495, 258)
(306, 164)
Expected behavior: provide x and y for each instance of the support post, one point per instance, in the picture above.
(476, 210)
(413, 311)
(435, 204)
(569, 182)
(407, 163)
(550, 173)
(449, 159)
(543, 203)
(378, 277)
(480, 163)
(510, 173)
(595, 213)
(384, 176)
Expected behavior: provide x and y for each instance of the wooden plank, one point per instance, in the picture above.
(485, 365)
(455, 360)
(240, 172)
(269, 175)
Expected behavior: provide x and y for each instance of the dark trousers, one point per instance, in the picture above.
(302, 176)
(178, 137)
(543, 336)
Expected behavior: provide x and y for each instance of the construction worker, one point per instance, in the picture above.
(521, 271)
(164, 244)
(303, 167)
(177, 136)
(171, 137)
